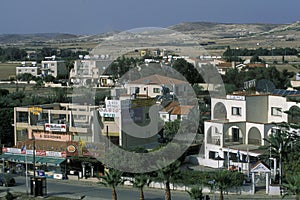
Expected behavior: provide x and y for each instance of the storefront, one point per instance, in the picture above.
(15, 160)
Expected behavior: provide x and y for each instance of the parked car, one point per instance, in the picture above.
(7, 180)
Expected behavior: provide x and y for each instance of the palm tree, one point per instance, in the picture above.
(165, 174)
(195, 193)
(112, 179)
(292, 186)
(281, 144)
(224, 180)
(140, 181)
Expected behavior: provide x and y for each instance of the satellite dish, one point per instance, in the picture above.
(265, 86)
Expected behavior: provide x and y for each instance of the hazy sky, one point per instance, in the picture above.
(98, 16)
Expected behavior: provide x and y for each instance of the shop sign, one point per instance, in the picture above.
(56, 127)
(71, 148)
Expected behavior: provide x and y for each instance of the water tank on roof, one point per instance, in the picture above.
(298, 77)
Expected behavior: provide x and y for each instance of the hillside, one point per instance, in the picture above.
(209, 30)
(216, 35)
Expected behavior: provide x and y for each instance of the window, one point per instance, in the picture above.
(147, 116)
(236, 110)
(275, 111)
(164, 116)
(156, 90)
(235, 134)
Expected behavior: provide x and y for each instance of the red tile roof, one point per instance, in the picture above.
(157, 79)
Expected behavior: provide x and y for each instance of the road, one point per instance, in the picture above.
(77, 189)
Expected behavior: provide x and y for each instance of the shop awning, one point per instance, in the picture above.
(29, 158)
(51, 161)
(5, 156)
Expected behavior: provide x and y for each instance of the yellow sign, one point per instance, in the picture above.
(35, 110)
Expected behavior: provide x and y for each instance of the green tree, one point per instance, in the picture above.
(25, 77)
(171, 129)
(112, 179)
(140, 181)
(166, 174)
(3, 92)
(49, 78)
(255, 59)
(225, 179)
(195, 193)
(188, 71)
(292, 186)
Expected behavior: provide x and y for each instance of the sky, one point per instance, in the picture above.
(99, 16)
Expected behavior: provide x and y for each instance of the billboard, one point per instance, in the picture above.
(56, 127)
(112, 109)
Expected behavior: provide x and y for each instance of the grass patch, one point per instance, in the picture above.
(7, 70)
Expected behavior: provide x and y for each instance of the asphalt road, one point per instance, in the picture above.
(77, 189)
(74, 189)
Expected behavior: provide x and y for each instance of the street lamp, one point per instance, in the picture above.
(33, 163)
(3, 168)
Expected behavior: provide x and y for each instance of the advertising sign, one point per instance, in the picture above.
(109, 112)
(56, 127)
(112, 104)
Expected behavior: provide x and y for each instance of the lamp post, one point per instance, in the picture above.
(33, 163)
(3, 167)
(280, 164)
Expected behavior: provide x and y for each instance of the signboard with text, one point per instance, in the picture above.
(37, 152)
(56, 127)
(112, 109)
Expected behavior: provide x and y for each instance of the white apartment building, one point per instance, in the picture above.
(55, 68)
(31, 68)
(239, 124)
(90, 72)
(153, 85)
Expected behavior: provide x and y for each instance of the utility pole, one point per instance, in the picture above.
(280, 164)
(33, 163)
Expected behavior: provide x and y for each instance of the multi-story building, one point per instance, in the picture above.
(53, 67)
(91, 72)
(57, 122)
(239, 124)
(32, 69)
(157, 85)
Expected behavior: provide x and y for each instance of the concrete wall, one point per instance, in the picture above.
(257, 108)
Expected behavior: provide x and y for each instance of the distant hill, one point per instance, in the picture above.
(221, 34)
(222, 30)
(37, 37)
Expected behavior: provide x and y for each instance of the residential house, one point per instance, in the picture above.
(90, 71)
(26, 68)
(240, 123)
(52, 66)
(173, 110)
(156, 85)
